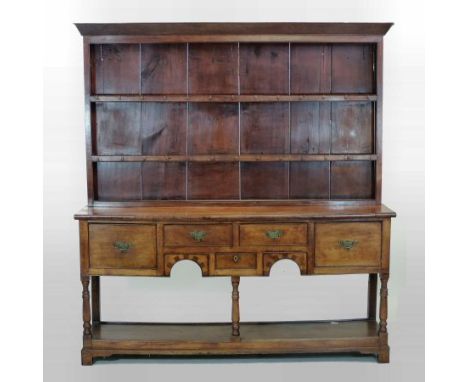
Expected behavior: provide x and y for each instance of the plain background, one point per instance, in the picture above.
(188, 297)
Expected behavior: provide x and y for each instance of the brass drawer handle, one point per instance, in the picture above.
(347, 244)
(122, 246)
(275, 234)
(198, 235)
(235, 258)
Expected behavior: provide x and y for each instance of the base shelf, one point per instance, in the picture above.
(111, 339)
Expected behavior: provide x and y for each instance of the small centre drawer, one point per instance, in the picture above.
(273, 234)
(348, 244)
(189, 235)
(122, 246)
(235, 260)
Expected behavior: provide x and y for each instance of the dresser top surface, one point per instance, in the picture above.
(148, 29)
(192, 211)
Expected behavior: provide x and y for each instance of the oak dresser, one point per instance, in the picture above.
(234, 145)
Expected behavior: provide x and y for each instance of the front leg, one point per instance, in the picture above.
(384, 350)
(86, 356)
(235, 305)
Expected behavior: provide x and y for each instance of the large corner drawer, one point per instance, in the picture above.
(122, 246)
(190, 235)
(348, 244)
(273, 234)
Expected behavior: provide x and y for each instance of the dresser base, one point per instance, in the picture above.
(115, 339)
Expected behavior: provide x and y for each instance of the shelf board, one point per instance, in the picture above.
(235, 158)
(255, 338)
(233, 98)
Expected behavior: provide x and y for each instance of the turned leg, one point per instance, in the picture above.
(86, 358)
(372, 296)
(235, 305)
(96, 298)
(384, 350)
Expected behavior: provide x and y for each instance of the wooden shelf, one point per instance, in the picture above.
(255, 338)
(233, 98)
(235, 158)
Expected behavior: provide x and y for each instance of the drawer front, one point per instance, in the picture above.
(348, 244)
(273, 234)
(122, 246)
(189, 235)
(236, 261)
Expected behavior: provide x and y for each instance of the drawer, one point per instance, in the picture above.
(189, 235)
(122, 246)
(273, 234)
(236, 261)
(348, 244)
